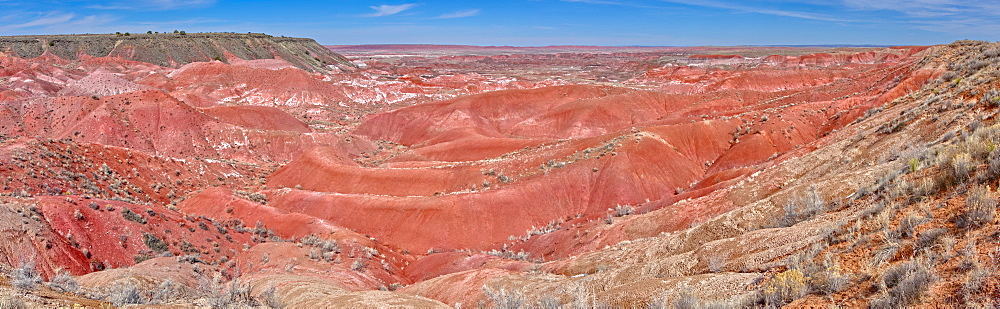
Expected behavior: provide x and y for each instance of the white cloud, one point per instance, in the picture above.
(48, 19)
(946, 16)
(460, 14)
(386, 10)
(930, 8)
(62, 23)
(750, 9)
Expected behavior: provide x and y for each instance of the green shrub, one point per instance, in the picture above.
(132, 216)
(914, 164)
(154, 243)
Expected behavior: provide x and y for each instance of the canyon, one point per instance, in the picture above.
(236, 170)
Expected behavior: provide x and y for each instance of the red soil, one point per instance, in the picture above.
(404, 160)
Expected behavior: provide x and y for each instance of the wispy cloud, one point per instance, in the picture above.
(922, 7)
(386, 10)
(946, 16)
(460, 14)
(759, 10)
(154, 5)
(632, 4)
(45, 20)
(597, 2)
(55, 22)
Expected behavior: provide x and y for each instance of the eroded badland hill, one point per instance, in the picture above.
(139, 171)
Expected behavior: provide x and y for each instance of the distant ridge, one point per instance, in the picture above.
(380, 48)
(175, 49)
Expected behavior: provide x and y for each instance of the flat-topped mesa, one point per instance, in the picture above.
(175, 49)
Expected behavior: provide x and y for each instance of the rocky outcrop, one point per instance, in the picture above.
(175, 50)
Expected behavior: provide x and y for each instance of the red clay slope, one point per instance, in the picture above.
(590, 148)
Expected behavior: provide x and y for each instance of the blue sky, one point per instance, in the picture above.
(529, 22)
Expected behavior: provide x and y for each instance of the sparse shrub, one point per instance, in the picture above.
(271, 299)
(623, 210)
(991, 98)
(125, 293)
(358, 265)
(132, 216)
(974, 65)
(187, 247)
(507, 254)
(993, 170)
(310, 240)
(927, 187)
(901, 188)
(802, 208)
(11, 302)
(828, 280)
(949, 76)
(904, 284)
(239, 294)
(552, 226)
(992, 53)
(141, 257)
(896, 125)
(686, 300)
(165, 292)
(884, 254)
(503, 298)
(546, 302)
(716, 263)
(908, 225)
(873, 210)
(960, 167)
(154, 243)
(967, 42)
(973, 285)
(969, 260)
(980, 208)
(63, 281)
(331, 246)
(25, 276)
(928, 238)
(785, 287)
